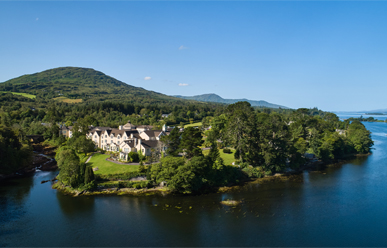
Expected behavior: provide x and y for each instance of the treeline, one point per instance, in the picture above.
(15, 152)
(31, 113)
(361, 118)
(275, 141)
(264, 144)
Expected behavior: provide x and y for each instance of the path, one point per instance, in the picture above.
(87, 161)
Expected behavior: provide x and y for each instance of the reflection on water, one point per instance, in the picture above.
(73, 207)
(342, 205)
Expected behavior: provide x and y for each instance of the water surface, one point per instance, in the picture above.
(344, 205)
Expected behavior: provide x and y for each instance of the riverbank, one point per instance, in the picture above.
(42, 159)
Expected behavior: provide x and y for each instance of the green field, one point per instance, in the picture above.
(20, 94)
(107, 167)
(197, 124)
(227, 158)
(67, 100)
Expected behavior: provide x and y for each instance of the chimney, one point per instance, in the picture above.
(120, 127)
(131, 135)
(164, 128)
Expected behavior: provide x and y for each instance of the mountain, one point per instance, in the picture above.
(218, 99)
(75, 84)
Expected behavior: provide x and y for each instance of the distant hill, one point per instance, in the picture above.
(75, 84)
(218, 99)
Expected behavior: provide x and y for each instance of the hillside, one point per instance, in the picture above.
(74, 84)
(218, 99)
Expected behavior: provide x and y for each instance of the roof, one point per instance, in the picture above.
(153, 133)
(117, 132)
(130, 143)
(149, 143)
(129, 125)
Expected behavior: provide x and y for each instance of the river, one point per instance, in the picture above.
(343, 205)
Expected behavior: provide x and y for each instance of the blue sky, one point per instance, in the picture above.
(331, 55)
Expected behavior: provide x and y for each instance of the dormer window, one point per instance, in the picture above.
(111, 136)
(118, 137)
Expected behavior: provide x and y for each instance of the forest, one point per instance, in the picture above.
(266, 141)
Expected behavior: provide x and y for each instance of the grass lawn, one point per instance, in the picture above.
(107, 167)
(227, 158)
(197, 124)
(20, 94)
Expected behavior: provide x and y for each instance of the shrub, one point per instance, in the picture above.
(120, 176)
(227, 150)
(134, 157)
(142, 169)
(244, 165)
(253, 172)
(268, 173)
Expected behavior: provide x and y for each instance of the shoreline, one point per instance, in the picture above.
(310, 166)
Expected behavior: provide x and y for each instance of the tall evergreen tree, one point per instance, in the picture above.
(172, 141)
(241, 131)
(191, 139)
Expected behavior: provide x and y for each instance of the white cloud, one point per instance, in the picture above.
(182, 47)
(147, 78)
(37, 19)
(183, 84)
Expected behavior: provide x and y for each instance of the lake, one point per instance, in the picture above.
(343, 205)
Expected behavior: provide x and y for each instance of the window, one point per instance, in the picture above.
(105, 136)
(118, 142)
(126, 150)
(95, 136)
(118, 137)
(111, 136)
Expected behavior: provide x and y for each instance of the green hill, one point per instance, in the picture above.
(218, 99)
(74, 85)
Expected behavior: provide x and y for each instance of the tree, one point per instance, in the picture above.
(69, 166)
(166, 169)
(68, 123)
(172, 142)
(89, 175)
(191, 139)
(141, 156)
(360, 137)
(274, 138)
(14, 151)
(81, 144)
(241, 131)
